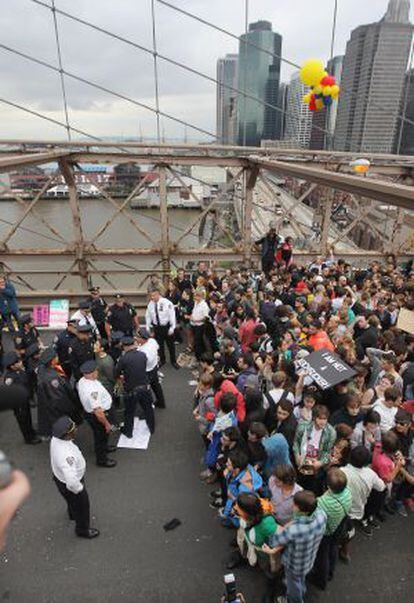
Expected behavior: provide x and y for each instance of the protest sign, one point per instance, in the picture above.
(41, 315)
(58, 313)
(405, 321)
(325, 368)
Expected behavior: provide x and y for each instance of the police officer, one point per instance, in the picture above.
(56, 397)
(63, 343)
(99, 309)
(122, 316)
(133, 367)
(15, 375)
(115, 348)
(97, 402)
(84, 317)
(32, 358)
(68, 467)
(150, 347)
(27, 333)
(160, 319)
(81, 350)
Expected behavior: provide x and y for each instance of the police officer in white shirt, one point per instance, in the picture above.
(160, 319)
(68, 467)
(83, 316)
(150, 347)
(96, 401)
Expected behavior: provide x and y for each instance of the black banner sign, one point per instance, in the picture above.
(326, 368)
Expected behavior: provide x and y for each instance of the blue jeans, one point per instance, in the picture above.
(295, 587)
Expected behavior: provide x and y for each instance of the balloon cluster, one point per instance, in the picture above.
(324, 89)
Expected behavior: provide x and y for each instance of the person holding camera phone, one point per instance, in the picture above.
(312, 448)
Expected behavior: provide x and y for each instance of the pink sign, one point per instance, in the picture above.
(41, 315)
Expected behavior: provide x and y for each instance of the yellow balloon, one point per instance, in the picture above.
(335, 90)
(312, 72)
(318, 89)
(327, 91)
(307, 98)
(319, 104)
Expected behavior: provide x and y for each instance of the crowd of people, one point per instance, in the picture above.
(295, 470)
(299, 470)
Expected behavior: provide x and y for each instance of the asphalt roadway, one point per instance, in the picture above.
(135, 560)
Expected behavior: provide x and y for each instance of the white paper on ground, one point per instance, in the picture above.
(140, 436)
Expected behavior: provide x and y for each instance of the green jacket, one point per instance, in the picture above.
(328, 438)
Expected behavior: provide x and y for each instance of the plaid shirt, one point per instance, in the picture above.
(301, 541)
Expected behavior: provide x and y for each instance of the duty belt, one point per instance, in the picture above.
(138, 388)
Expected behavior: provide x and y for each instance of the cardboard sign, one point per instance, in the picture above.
(405, 321)
(58, 313)
(41, 315)
(325, 368)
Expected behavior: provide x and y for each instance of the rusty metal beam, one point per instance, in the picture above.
(151, 158)
(165, 230)
(27, 211)
(223, 192)
(12, 162)
(69, 176)
(330, 156)
(137, 189)
(379, 190)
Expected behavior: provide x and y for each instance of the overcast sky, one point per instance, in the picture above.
(28, 27)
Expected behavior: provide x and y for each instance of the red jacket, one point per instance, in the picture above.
(246, 334)
(228, 386)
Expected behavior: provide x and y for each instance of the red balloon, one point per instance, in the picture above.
(312, 104)
(328, 80)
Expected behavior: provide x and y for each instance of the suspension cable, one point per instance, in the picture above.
(155, 57)
(344, 93)
(62, 78)
(104, 89)
(335, 16)
(186, 67)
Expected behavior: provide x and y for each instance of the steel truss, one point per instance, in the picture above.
(249, 169)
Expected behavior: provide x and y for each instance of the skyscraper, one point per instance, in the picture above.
(298, 118)
(405, 144)
(226, 111)
(258, 76)
(323, 122)
(373, 81)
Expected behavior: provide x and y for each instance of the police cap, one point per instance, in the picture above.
(84, 328)
(62, 427)
(25, 319)
(10, 358)
(88, 367)
(32, 350)
(127, 341)
(48, 355)
(119, 296)
(94, 289)
(72, 321)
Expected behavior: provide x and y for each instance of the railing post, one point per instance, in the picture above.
(69, 176)
(165, 231)
(250, 175)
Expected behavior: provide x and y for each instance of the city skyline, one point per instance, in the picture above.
(118, 66)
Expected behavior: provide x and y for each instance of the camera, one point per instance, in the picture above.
(231, 595)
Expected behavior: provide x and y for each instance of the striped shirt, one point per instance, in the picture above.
(336, 506)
